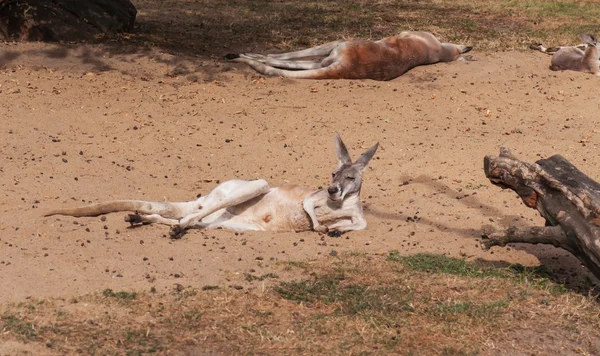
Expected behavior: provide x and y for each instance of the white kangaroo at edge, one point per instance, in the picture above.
(582, 58)
(253, 205)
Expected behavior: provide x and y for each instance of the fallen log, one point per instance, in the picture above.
(568, 200)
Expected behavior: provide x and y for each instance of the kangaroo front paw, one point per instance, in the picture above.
(177, 232)
(133, 219)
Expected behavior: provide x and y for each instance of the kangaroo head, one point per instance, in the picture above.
(589, 40)
(592, 49)
(347, 178)
(451, 52)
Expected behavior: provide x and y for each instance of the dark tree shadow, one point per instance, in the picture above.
(193, 36)
(470, 200)
(558, 265)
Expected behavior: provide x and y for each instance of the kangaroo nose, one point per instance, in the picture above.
(332, 190)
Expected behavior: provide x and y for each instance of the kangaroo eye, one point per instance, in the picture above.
(350, 178)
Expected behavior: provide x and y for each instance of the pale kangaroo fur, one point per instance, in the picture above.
(385, 59)
(581, 58)
(253, 205)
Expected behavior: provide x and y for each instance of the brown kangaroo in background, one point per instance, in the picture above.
(385, 59)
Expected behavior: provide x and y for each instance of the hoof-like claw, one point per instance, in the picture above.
(535, 46)
(133, 219)
(334, 233)
(320, 228)
(177, 232)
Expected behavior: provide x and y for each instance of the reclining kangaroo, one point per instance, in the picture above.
(385, 59)
(253, 205)
(581, 58)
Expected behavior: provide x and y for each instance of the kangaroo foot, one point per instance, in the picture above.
(334, 233)
(177, 232)
(133, 219)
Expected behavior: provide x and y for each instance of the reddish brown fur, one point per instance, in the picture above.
(381, 60)
(385, 59)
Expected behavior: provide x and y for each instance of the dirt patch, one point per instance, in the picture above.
(157, 121)
(74, 135)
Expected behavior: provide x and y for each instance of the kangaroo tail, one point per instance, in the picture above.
(143, 207)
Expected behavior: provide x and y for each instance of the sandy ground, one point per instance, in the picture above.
(81, 125)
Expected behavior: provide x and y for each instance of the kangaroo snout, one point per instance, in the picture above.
(332, 189)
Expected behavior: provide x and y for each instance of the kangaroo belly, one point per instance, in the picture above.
(568, 58)
(278, 210)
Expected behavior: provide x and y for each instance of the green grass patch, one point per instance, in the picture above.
(140, 342)
(18, 326)
(451, 351)
(119, 295)
(193, 315)
(553, 9)
(349, 298)
(297, 264)
(250, 277)
(450, 310)
(435, 263)
(539, 277)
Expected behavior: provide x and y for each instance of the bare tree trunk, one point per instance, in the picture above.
(564, 196)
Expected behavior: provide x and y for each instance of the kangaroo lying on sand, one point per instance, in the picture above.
(385, 59)
(581, 58)
(253, 205)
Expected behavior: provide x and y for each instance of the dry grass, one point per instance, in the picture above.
(419, 305)
(210, 27)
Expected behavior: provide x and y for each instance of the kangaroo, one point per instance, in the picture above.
(252, 205)
(385, 59)
(581, 58)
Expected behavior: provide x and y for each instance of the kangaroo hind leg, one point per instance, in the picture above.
(318, 51)
(136, 219)
(227, 194)
(283, 63)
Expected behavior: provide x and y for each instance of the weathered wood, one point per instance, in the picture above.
(551, 235)
(568, 200)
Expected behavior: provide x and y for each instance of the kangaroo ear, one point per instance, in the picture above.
(588, 39)
(341, 151)
(363, 160)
